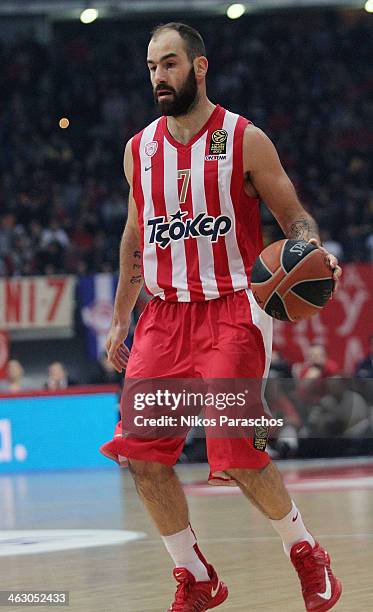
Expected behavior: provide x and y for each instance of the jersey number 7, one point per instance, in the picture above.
(184, 176)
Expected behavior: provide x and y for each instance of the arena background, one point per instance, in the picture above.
(71, 95)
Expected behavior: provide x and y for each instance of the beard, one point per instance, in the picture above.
(182, 101)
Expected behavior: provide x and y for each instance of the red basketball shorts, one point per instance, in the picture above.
(229, 337)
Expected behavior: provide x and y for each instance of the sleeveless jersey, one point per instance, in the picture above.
(200, 232)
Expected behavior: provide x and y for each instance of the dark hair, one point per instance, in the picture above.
(193, 40)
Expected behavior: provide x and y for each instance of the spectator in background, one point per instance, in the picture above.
(15, 375)
(317, 364)
(311, 374)
(369, 246)
(348, 407)
(106, 374)
(341, 421)
(364, 368)
(7, 232)
(58, 377)
(333, 246)
(54, 233)
(280, 368)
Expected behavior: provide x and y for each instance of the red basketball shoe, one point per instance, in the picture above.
(193, 596)
(320, 588)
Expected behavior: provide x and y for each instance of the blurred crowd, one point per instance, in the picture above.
(324, 413)
(304, 80)
(321, 408)
(57, 377)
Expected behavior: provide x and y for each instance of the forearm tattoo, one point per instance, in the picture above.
(304, 228)
(136, 278)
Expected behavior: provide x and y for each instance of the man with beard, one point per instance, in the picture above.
(192, 235)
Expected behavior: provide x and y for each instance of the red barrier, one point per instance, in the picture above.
(4, 354)
(343, 326)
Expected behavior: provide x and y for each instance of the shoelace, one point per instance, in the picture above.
(311, 572)
(181, 597)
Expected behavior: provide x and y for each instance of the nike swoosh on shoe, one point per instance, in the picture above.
(328, 587)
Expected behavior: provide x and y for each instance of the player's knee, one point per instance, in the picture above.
(148, 471)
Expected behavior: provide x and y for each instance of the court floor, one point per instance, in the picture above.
(86, 533)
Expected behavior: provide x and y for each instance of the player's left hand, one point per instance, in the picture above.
(331, 261)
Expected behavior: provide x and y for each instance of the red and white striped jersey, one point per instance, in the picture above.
(200, 232)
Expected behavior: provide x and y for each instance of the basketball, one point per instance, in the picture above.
(291, 281)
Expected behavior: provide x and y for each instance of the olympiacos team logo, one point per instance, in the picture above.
(151, 148)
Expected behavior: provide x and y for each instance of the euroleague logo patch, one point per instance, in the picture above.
(218, 145)
(151, 148)
(261, 434)
(163, 232)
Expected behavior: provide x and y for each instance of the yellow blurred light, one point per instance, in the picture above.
(64, 123)
(88, 15)
(369, 6)
(234, 11)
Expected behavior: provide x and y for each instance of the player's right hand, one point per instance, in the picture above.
(117, 352)
(332, 262)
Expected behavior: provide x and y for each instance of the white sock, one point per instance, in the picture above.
(291, 529)
(181, 548)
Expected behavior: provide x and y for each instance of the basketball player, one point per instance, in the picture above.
(192, 234)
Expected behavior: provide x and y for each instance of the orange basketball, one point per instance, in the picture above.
(291, 281)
